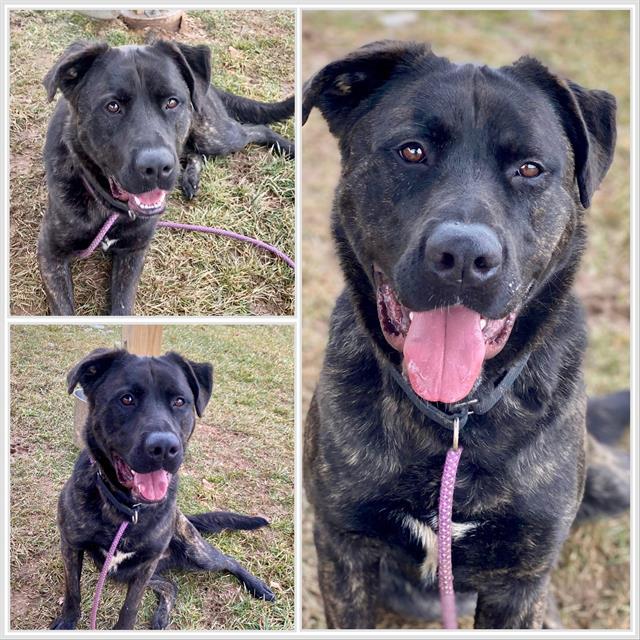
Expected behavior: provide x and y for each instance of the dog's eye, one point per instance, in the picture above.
(127, 399)
(178, 402)
(530, 170)
(412, 152)
(171, 103)
(113, 107)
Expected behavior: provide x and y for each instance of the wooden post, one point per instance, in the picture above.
(140, 339)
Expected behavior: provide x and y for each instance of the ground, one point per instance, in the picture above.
(590, 47)
(251, 192)
(240, 458)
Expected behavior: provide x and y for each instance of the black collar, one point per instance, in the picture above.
(131, 512)
(99, 193)
(462, 410)
(93, 186)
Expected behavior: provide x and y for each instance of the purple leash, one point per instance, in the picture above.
(98, 239)
(188, 227)
(229, 234)
(445, 510)
(105, 567)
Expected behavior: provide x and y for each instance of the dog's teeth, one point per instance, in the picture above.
(483, 324)
(410, 315)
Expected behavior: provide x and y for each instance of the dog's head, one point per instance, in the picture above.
(141, 415)
(461, 199)
(132, 108)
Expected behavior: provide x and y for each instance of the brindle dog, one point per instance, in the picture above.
(459, 224)
(141, 416)
(128, 119)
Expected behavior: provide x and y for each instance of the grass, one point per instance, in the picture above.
(251, 192)
(240, 458)
(590, 47)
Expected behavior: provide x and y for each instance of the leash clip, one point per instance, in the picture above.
(134, 515)
(456, 432)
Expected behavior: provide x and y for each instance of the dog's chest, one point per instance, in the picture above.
(425, 534)
(118, 558)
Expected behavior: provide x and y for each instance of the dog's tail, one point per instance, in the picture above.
(607, 486)
(256, 112)
(216, 521)
(608, 416)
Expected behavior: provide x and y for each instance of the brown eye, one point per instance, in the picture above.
(530, 170)
(178, 402)
(127, 399)
(413, 152)
(113, 107)
(172, 103)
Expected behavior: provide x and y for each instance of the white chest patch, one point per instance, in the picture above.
(107, 242)
(426, 535)
(118, 557)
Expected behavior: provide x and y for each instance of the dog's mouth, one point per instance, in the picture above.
(145, 487)
(149, 203)
(443, 349)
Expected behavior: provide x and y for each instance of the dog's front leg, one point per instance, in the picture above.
(55, 272)
(72, 559)
(135, 591)
(125, 274)
(512, 604)
(348, 573)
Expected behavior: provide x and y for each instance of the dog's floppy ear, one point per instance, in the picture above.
(90, 370)
(588, 118)
(195, 66)
(340, 87)
(199, 376)
(67, 73)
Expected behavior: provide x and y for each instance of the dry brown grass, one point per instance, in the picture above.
(592, 581)
(251, 192)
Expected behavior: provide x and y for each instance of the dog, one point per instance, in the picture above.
(459, 226)
(129, 117)
(141, 417)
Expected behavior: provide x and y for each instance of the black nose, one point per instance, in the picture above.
(162, 446)
(468, 254)
(154, 163)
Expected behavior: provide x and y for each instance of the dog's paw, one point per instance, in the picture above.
(64, 622)
(190, 180)
(284, 148)
(160, 620)
(190, 183)
(259, 589)
(257, 522)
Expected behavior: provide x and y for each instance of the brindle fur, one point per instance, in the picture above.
(163, 539)
(372, 461)
(208, 122)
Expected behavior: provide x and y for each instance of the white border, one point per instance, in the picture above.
(7, 321)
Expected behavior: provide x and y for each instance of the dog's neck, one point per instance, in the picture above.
(120, 500)
(95, 182)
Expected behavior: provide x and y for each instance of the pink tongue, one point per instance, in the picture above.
(151, 197)
(443, 353)
(152, 486)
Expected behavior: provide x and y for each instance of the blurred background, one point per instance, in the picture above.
(589, 47)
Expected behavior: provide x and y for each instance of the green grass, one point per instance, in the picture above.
(240, 458)
(591, 48)
(251, 192)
